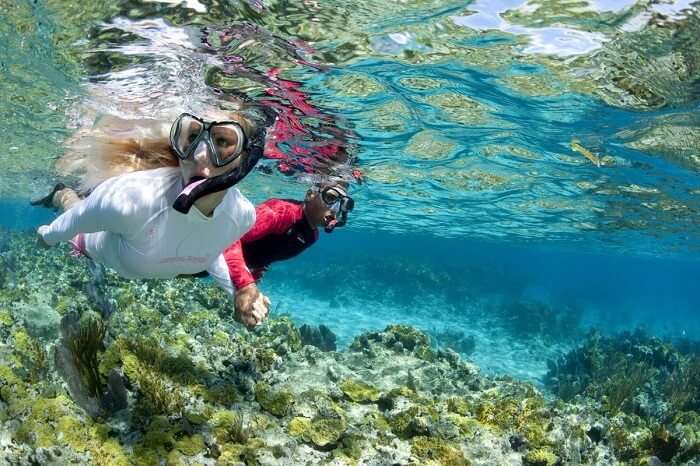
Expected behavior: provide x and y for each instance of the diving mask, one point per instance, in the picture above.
(225, 140)
(340, 204)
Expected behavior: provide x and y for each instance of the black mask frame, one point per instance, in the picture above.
(205, 135)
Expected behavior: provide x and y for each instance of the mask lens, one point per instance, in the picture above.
(187, 131)
(227, 139)
(330, 196)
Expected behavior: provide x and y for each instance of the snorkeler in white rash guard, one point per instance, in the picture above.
(142, 224)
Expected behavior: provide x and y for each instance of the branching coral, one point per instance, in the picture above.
(84, 342)
(230, 426)
(682, 389)
(31, 354)
(641, 382)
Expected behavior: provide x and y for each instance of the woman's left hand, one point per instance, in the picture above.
(40, 242)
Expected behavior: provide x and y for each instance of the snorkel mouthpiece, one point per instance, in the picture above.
(330, 226)
(198, 189)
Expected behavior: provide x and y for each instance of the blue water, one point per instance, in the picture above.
(464, 125)
(357, 281)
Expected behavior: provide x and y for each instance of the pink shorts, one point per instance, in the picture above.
(78, 244)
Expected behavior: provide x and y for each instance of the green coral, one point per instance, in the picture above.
(459, 406)
(298, 426)
(400, 338)
(265, 359)
(223, 394)
(12, 388)
(158, 440)
(230, 455)
(190, 446)
(413, 421)
(30, 354)
(467, 426)
(515, 408)
(322, 432)
(5, 318)
(376, 421)
(435, 451)
(277, 402)
(280, 335)
(358, 391)
(326, 431)
(387, 401)
(541, 457)
(159, 375)
(161, 395)
(229, 426)
(50, 422)
(84, 344)
(643, 384)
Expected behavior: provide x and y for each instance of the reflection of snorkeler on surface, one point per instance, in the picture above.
(283, 229)
(141, 223)
(297, 147)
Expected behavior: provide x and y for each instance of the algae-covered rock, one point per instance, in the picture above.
(274, 401)
(279, 334)
(299, 427)
(413, 421)
(190, 446)
(229, 426)
(541, 457)
(433, 408)
(436, 451)
(321, 337)
(387, 401)
(358, 391)
(400, 338)
(322, 432)
(326, 431)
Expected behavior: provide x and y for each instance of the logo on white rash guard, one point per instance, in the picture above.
(193, 259)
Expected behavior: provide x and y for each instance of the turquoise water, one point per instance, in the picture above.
(466, 137)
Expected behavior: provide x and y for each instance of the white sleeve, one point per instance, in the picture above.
(219, 271)
(110, 207)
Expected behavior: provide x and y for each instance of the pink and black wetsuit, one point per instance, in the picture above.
(280, 232)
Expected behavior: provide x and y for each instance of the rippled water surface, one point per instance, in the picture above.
(507, 119)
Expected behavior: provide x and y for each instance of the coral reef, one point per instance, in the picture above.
(455, 340)
(321, 337)
(646, 392)
(201, 389)
(525, 319)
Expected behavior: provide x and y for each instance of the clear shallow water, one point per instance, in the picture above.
(475, 287)
(499, 135)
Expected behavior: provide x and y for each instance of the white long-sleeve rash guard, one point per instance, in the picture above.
(129, 225)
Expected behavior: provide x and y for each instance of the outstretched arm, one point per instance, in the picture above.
(238, 270)
(105, 209)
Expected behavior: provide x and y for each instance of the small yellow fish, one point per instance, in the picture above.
(577, 147)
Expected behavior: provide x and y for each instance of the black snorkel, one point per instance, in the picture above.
(253, 153)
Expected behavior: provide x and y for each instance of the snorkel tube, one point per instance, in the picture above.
(254, 152)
